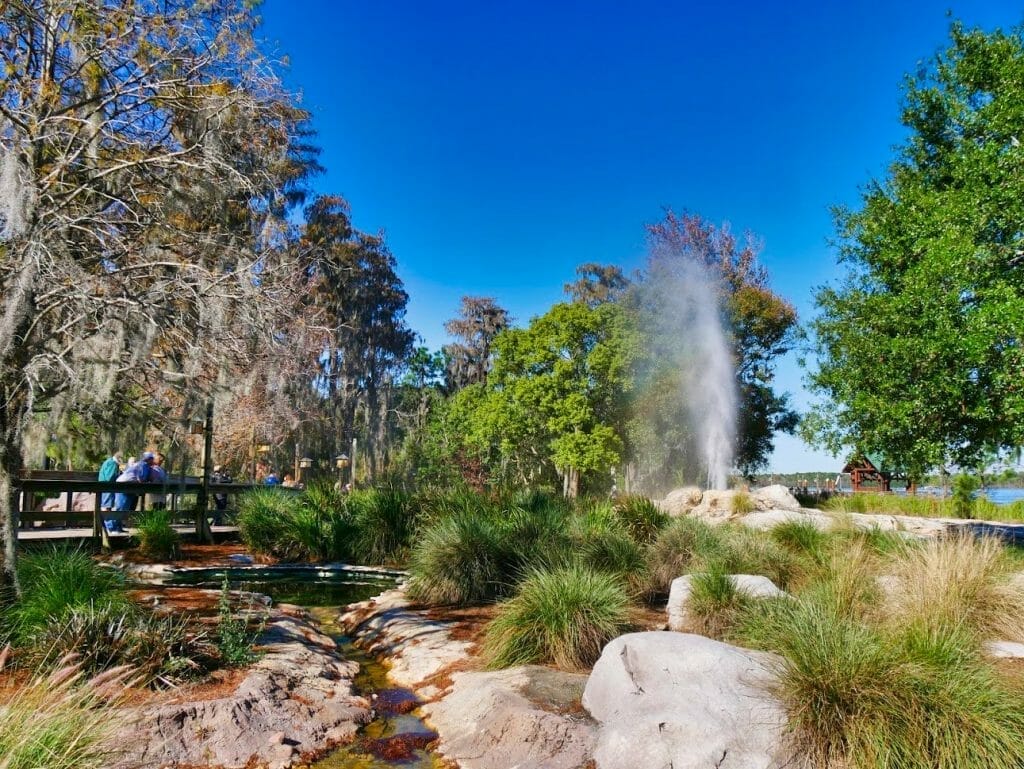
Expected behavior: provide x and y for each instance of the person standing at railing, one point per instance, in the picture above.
(157, 475)
(109, 470)
(140, 472)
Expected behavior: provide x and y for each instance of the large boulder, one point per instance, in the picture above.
(513, 719)
(763, 520)
(716, 506)
(676, 701)
(681, 501)
(753, 585)
(775, 497)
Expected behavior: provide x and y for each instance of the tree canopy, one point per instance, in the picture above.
(920, 348)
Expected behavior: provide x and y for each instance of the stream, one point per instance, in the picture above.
(397, 737)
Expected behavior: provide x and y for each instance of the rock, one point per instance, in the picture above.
(763, 520)
(680, 501)
(241, 558)
(418, 647)
(715, 506)
(775, 497)
(298, 697)
(1007, 650)
(510, 718)
(754, 585)
(668, 699)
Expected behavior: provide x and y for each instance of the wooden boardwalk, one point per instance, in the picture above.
(51, 534)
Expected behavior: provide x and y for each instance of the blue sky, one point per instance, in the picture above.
(501, 145)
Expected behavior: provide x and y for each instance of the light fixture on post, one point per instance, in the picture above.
(304, 464)
(341, 462)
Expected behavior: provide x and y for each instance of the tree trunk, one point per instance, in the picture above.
(10, 465)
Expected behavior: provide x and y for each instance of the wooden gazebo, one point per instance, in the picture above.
(863, 471)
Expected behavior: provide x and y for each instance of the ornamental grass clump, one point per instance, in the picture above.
(715, 602)
(156, 536)
(264, 522)
(686, 544)
(562, 616)
(460, 560)
(804, 538)
(385, 521)
(959, 582)
(641, 518)
(60, 721)
(747, 551)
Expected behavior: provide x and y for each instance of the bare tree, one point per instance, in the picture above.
(146, 151)
(469, 359)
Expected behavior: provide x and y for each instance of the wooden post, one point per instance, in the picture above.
(203, 532)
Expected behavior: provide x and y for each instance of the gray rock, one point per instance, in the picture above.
(511, 719)
(1007, 650)
(763, 520)
(681, 501)
(753, 585)
(715, 506)
(669, 700)
(775, 497)
(298, 697)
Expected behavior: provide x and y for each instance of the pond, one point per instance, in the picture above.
(308, 586)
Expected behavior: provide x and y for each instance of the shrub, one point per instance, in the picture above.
(156, 536)
(233, 637)
(55, 582)
(614, 552)
(642, 519)
(461, 559)
(957, 582)
(385, 520)
(159, 650)
(263, 521)
(964, 487)
(686, 542)
(563, 616)
(59, 722)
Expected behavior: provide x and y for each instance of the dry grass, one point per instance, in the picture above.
(960, 582)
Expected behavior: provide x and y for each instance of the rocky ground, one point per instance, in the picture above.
(297, 700)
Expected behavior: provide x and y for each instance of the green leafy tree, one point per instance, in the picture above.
(920, 349)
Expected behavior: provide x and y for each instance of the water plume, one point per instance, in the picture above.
(683, 320)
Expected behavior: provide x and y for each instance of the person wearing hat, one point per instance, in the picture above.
(140, 472)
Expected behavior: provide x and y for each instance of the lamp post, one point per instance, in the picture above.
(341, 462)
(304, 464)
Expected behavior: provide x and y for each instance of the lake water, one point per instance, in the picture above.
(997, 494)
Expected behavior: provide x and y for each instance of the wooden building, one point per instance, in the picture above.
(865, 474)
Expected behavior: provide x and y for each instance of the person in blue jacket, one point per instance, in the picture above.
(109, 470)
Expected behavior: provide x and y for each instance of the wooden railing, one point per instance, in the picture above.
(32, 490)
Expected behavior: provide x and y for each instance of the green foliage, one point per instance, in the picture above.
(802, 537)
(964, 487)
(686, 544)
(385, 520)
(642, 519)
(715, 602)
(461, 559)
(918, 350)
(742, 503)
(926, 506)
(233, 636)
(562, 617)
(264, 517)
(159, 650)
(156, 536)
(56, 582)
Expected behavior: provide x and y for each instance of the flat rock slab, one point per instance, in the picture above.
(519, 718)
(297, 698)
(417, 647)
(669, 700)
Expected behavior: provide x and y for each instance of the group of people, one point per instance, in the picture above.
(116, 505)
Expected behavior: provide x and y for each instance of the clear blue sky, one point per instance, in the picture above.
(501, 145)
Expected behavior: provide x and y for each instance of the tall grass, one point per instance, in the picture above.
(55, 582)
(563, 616)
(641, 518)
(686, 544)
(264, 522)
(715, 602)
(802, 537)
(156, 536)
(59, 721)
(960, 582)
(385, 521)
(462, 559)
(925, 506)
